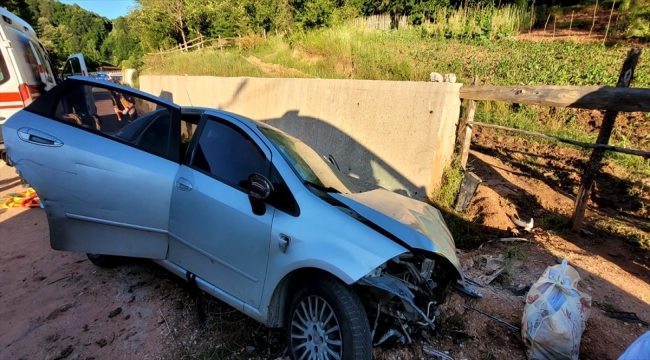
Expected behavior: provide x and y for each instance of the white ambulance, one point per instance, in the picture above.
(25, 67)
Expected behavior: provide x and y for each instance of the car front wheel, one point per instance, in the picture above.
(326, 320)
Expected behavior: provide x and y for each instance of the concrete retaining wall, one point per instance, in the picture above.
(399, 135)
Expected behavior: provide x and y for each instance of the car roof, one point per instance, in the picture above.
(92, 80)
(44, 104)
(242, 118)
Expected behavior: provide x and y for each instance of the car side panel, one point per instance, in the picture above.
(100, 196)
(324, 238)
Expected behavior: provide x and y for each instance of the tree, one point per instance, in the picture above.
(171, 12)
(21, 9)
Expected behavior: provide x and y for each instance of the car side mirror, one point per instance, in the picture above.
(259, 187)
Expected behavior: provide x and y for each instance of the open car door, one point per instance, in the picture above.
(104, 191)
(74, 65)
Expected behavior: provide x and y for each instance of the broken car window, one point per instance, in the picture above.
(124, 117)
(229, 155)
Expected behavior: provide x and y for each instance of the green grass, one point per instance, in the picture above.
(208, 63)
(462, 228)
(629, 233)
(445, 197)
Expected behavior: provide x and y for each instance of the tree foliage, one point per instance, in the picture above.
(152, 25)
(68, 29)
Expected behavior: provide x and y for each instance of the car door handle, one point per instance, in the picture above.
(38, 137)
(283, 242)
(183, 184)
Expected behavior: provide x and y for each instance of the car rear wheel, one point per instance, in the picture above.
(326, 320)
(101, 260)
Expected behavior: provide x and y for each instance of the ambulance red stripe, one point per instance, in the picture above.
(10, 96)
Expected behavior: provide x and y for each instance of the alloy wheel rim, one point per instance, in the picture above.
(315, 330)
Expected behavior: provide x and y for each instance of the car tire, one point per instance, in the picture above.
(101, 260)
(311, 330)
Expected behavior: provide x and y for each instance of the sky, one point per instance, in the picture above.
(107, 8)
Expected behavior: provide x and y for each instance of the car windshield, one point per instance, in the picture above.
(307, 164)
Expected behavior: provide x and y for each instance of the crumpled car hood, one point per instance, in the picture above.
(416, 223)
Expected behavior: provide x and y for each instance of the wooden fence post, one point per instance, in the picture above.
(593, 166)
(467, 139)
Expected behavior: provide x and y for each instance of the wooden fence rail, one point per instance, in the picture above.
(610, 99)
(645, 154)
(200, 43)
(583, 97)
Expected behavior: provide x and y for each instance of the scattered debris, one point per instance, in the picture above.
(467, 190)
(429, 350)
(586, 232)
(492, 267)
(555, 314)
(467, 290)
(628, 317)
(26, 199)
(401, 339)
(513, 239)
(506, 324)
(472, 282)
(115, 312)
(521, 290)
(526, 225)
(250, 350)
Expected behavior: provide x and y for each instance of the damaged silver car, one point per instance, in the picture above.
(241, 210)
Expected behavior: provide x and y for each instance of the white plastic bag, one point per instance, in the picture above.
(555, 315)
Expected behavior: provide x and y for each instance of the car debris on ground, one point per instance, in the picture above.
(527, 226)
